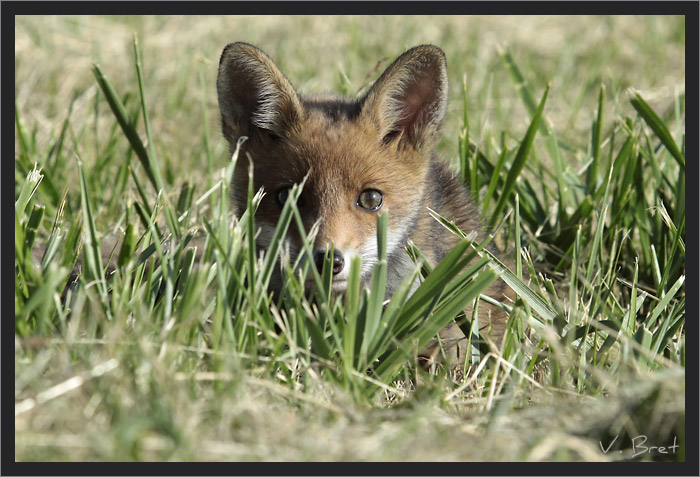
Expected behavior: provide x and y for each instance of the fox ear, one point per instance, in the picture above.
(409, 100)
(254, 95)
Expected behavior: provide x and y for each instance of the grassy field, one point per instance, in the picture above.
(570, 133)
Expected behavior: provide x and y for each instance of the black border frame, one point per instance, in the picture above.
(10, 9)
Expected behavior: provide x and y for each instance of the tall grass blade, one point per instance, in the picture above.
(519, 161)
(377, 290)
(94, 269)
(657, 125)
(148, 163)
(592, 173)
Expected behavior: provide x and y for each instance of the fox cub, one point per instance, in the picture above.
(362, 156)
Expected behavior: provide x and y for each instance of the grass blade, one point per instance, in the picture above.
(519, 161)
(94, 270)
(148, 163)
(377, 289)
(657, 125)
(596, 138)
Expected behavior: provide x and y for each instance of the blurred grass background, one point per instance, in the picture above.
(144, 411)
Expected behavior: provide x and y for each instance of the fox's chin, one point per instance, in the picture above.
(337, 286)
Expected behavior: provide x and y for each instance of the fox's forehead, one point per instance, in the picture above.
(339, 149)
(331, 123)
(331, 108)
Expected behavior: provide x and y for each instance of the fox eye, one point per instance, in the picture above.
(370, 199)
(283, 194)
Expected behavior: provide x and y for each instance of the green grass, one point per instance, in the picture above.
(174, 357)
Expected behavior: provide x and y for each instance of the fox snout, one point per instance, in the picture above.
(338, 261)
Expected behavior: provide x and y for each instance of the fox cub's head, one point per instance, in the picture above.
(362, 156)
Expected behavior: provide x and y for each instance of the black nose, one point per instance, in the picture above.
(338, 261)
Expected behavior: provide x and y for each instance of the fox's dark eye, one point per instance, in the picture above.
(283, 194)
(370, 199)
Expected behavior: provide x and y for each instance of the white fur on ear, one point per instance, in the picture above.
(409, 101)
(269, 95)
(254, 93)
